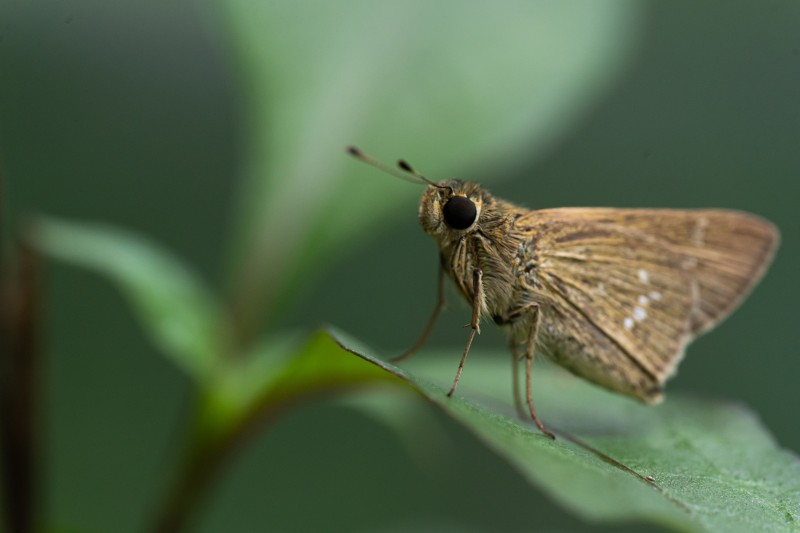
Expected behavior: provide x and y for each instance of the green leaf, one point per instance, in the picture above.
(249, 391)
(715, 467)
(415, 79)
(278, 373)
(176, 310)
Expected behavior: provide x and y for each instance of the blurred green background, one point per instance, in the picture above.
(140, 114)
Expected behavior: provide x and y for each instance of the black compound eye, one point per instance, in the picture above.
(459, 212)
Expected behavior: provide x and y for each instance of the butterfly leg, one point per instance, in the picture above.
(515, 381)
(440, 304)
(477, 304)
(529, 352)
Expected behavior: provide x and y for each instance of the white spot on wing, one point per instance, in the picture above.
(655, 296)
(628, 322)
(644, 277)
(643, 300)
(639, 314)
(699, 232)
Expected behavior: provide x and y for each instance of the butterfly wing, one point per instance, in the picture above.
(726, 252)
(629, 289)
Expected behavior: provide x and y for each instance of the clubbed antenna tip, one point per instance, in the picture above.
(411, 175)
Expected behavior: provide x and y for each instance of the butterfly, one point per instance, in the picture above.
(612, 295)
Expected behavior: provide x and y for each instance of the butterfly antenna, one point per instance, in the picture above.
(405, 167)
(408, 174)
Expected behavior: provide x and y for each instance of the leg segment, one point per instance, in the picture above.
(440, 304)
(529, 352)
(515, 380)
(477, 304)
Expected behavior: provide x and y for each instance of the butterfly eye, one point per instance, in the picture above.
(459, 212)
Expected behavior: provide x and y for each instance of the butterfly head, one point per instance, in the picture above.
(448, 209)
(451, 208)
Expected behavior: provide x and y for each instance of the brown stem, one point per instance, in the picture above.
(208, 451)
(203, 459)
(206, 455)
(19, 324)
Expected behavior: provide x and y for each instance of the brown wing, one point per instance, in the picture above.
(726, 252)
(641, 284)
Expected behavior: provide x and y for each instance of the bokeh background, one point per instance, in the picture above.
(139, 114)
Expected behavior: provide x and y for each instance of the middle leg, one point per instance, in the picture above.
(530, 350)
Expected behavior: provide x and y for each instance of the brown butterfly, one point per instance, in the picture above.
(613, 295)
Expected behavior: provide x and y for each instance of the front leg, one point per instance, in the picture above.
(477, 305)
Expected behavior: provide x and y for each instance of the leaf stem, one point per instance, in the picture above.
(210, 445)
(202, 460)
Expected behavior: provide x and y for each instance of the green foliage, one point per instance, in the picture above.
(310, 88)
(179, 314)
(715, 467)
